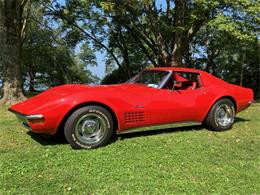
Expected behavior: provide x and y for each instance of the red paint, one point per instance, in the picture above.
(134, 104)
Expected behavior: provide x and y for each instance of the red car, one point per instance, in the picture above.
(155, 98)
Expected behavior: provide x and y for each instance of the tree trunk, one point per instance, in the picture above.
(10, 33)
(31, 76)
(179, 42)
(177, 53)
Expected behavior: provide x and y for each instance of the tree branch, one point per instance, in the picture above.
(146, 52)
(25, 19)
(168, 8)
(99, 43)
(64, 19)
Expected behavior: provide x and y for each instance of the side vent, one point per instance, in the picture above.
(135, 117)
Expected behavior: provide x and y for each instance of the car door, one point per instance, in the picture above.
(132, 109)
(178, 105)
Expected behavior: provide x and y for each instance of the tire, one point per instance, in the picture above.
(221, 116)
(89, 127)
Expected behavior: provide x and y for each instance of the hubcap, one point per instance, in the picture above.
(90, 128)
(224, 115)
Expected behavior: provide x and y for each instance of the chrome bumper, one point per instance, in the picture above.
(24, 119)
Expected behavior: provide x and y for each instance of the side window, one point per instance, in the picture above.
(186, 81)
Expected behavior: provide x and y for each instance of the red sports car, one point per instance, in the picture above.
(155, 98)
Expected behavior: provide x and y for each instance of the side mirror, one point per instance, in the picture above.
(177, 84)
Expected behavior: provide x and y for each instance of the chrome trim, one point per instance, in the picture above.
(224, 115)
(160, 127)
(26, 126)
(24, 122)
(90, 128)
(24, 119)
(165, 80)
(34, 117)
(29, 117)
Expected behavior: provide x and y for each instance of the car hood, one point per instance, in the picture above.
(58, 94)
(70, 89)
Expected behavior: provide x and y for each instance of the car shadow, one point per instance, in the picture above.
(48, 140)
(239, 120)
(170, 130)
(60, 138)
(159, 131)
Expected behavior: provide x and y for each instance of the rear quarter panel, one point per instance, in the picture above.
(217, 89)
(243, 96)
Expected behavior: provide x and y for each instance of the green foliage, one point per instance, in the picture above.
(86, 55)
(178, 161)
(114, 77)
(227, 57)
(63, 37)
(48, 56)
(160, 29)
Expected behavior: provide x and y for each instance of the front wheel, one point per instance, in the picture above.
(221, 116)
(89, 127)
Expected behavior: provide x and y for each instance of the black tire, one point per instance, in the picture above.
(215, 119)
(89, 127)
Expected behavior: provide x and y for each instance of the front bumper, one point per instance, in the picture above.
(25, 119)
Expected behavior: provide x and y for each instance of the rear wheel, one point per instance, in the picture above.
(89, 127)
(221, 116)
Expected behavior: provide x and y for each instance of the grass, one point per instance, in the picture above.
(184, 160)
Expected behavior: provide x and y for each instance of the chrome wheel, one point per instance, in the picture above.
(90, 128)
(224, 115)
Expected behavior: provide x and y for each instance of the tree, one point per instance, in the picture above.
(64, 35)
(167, 32)
(228, 57)
(49, 57)
(163, 32)
(13, 20)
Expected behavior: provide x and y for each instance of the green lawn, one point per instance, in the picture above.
(183, 160)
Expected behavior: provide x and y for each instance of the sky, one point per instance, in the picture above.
(99, 70)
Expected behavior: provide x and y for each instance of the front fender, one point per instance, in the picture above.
(59, 112)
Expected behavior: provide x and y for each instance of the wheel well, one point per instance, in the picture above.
(111, 112)
(223, 97)
(231, 99)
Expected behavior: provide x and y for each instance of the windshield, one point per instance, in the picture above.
(151, 78)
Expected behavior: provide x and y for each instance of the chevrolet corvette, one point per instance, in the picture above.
(156, 98)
